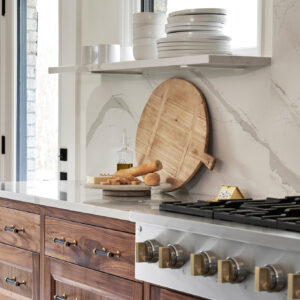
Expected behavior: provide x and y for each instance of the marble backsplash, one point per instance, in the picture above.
(254, 113)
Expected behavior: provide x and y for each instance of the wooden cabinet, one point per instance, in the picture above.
(74, 282)
(19, 274)
(118, 258)
(20, 229)
(157, 293)
(43, 268)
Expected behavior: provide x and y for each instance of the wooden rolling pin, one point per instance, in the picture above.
(140, 170)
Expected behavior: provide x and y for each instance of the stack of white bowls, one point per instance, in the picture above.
(194, 32)
(147, 29)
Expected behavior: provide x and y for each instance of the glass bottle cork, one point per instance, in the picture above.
(124, 155)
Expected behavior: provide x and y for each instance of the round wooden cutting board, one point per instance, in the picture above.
(174, 129)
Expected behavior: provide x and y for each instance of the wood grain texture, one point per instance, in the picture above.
(75, 281)
(30, 238)
(23, 265)
(174, 128)
(158, 293)
(105, 222)
(88, 238)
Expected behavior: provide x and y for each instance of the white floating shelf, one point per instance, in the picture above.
(169, 64)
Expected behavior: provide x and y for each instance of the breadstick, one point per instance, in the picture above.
(140, 170)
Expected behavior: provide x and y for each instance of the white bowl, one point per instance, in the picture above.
(148, 31)
(149, 18)
(198, 35)
(144, 42)
(177, 53)
(145, 52)
(194, 47)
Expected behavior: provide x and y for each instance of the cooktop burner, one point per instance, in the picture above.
(283, 213)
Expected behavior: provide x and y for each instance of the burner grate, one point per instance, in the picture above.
(281, 213)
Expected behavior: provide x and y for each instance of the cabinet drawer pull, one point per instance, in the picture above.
(13, 228)
(63, 241)
(103, 251)
(63, 297)
(14, 281)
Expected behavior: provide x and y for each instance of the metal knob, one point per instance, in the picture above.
(270, 278)
(173, 256)
(293, 286)
(147, 251)
(204, 263)
(231, 270)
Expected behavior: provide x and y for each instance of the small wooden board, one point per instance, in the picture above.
(174, 128)
(139, 190)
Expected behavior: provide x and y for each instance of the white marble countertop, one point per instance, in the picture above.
(73, 196)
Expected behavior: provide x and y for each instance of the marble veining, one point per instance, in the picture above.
(115, 102)
(254, 117)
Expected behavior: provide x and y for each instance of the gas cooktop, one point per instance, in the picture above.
(280, 213)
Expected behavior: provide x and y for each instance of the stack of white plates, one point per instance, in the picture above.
(194, 32)
(147, 29)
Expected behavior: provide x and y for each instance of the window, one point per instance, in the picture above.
(37, 91)
(244, 19)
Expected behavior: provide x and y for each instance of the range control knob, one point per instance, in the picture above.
(204, 263)
(147, 251)
(231, 270)
(172, 256)
(269, 278)
(293, 286)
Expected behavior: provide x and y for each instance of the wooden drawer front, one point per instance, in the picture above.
(19, 266)
(88, 238)
(158, 293)
(85, 284)
(30, 238)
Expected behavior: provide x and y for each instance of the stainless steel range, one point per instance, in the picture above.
(220, 250)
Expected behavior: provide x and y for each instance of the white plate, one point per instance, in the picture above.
(211, 43)
(197, 11)
(177, 53)
(190, 38)
(197, 47)
(209, 24)
(197, 19)
(128, 187)
(193, 28)
(199, 35)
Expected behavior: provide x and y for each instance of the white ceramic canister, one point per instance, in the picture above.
(108, 53)
(89, 55)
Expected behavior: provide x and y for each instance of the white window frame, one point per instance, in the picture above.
(264, 30)
(70, 121)
(8, 42)
(69, 105)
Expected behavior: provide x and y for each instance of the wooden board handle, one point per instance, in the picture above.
(208, 160)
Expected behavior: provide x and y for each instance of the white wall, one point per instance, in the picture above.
(101, 21)
(254, 114)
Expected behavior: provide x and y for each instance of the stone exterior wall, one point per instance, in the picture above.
(32, 39)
